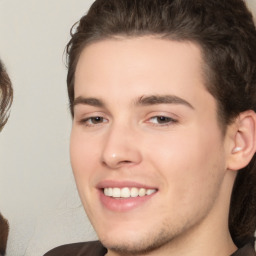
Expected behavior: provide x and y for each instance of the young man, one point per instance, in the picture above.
(163, 99)
(6, 95)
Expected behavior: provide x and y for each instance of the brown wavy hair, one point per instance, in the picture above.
(225, 32)
(6, 95)
(4, 230)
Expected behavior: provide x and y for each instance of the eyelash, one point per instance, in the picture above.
(89, 121)
(159, 120)
(166, 121)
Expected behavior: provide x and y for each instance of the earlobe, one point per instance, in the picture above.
(244, 141)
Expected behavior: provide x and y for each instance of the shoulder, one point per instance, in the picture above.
(81, 249)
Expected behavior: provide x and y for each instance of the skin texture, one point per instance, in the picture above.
(185, 155)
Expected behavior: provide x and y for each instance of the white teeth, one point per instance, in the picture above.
(116, 192)
(142, 192)
(125, 192)
(134, 192)
(110, 192)
(106, 192)
(150, 192)
(128, 192)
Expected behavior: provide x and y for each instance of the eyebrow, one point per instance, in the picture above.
(88, 101)
(162, 99)
(142, 101)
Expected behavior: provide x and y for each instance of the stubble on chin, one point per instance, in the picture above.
(144, 245)
(164, 238)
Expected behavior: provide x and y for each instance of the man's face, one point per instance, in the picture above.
(145, 124)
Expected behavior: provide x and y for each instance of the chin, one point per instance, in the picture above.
(136, 243)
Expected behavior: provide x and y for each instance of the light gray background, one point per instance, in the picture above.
(37, 190)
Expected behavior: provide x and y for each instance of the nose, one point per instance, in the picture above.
(121, 148)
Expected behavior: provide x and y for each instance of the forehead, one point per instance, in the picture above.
(143, 65)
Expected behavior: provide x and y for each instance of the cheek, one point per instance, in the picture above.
(82, 156)
(190, 160)
(83, 160)
(191, 170)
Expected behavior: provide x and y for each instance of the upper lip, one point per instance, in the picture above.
(122, 184)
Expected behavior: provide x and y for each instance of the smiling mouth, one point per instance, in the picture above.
(128, 192)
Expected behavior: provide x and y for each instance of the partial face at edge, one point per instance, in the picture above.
(145, 123)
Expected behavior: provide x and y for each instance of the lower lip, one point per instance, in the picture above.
(123, 204)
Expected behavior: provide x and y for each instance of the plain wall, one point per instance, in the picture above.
(37, 190)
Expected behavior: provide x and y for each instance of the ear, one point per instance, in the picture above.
(243, 141)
